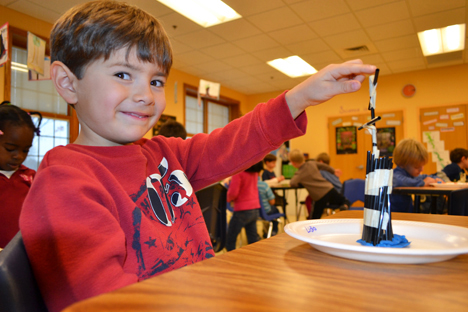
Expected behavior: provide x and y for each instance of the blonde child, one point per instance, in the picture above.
(113, 209)
(410, 156)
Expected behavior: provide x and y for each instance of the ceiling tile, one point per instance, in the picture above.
(35, 10)
(249, 7)
(194, 58)
(258, 69)
(178, 47)
(328, 57)
(365, 4)
(313, 10)
(234, 30)
(275, 19)
(424, 7)
(200, 39)
(242, 60)
(293, 34)
(223, 50)
(402, 54)
(177, 25)
(272, 54)
(336, 25)
(256, 43)
(347, 40)
(442, 19)
(391, 30)
(383, 14)
(407, 64)
(309, 46)
(214, 66)
(399, 43)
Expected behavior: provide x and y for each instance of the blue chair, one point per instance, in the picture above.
(269, 218)
(354, 190)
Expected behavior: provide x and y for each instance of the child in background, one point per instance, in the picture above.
(459, 159)
(173, 129)
(333, 178)
(112, 209)
(320, 190)
(268, 174)
(268, 198)
(16, 135)
(243, 192)
(410, 156)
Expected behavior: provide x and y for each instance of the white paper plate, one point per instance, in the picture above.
(450, 185)
(430, 242)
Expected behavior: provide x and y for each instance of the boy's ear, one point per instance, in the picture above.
(64, 81)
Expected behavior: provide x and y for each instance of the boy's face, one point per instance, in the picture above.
(414, 170)
(271, 164)
(119, 100)
(464, 163)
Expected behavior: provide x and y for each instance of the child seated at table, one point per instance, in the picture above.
(333, 178)
(456, 170)
(113, 208)
(410, 156)
(320, 190)
(268, 174)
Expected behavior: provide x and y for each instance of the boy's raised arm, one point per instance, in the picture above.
(330, 81)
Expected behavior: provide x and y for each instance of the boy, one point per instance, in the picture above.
(320, 190)
(268, 174)
(172, 128)
(459, 159)
(112, 209)
(410, 156)
(333, 178)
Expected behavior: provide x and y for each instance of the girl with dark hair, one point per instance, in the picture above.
(16, 135)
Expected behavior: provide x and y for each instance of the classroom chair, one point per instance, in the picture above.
(212, 200)
(269, 218)
(458, 202)
(18, 288)
(354, 190)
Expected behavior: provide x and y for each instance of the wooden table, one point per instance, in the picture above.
(432, 191)
(285, 274)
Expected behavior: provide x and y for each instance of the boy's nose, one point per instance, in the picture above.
(143, 94)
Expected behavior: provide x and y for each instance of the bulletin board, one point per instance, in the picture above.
(443, 129)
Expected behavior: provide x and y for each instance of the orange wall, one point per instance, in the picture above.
(434, 87)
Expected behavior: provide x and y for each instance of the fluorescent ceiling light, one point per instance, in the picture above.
(203, 12)
(19, 67)
(293, 66)
(442, 40)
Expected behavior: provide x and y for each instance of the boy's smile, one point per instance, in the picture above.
(119, 99)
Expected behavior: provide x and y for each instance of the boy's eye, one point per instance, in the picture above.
(157, 83)
(124, 76)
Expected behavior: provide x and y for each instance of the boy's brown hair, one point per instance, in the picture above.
(296, 156)
(96, 29)
(323, 157)
(410, 152)
(269, 157)
(457, 154)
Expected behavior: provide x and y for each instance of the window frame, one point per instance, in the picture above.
(233, 105)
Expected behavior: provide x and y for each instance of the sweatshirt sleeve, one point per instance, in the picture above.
(400, 179)
(57, 239)
(208, 158)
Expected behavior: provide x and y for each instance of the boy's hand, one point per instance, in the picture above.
(429, 180)
(330, 81)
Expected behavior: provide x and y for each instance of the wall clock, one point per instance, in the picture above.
(408, 90)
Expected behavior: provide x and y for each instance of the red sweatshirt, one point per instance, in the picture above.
(243, 191)
(100, 218)
(12, 194)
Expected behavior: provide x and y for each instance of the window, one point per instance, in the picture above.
(54, 132)
(39, 96)
(208, 114)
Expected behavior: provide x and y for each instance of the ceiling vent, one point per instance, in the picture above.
(357, 51)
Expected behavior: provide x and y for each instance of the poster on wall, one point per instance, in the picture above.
(346, 140)
(34, 76)
(36, 53)
(4, 51)
(386, 141)
(160, 122)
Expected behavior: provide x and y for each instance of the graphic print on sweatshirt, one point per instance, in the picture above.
(172, 237)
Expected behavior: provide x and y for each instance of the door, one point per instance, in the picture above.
(352, 161)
